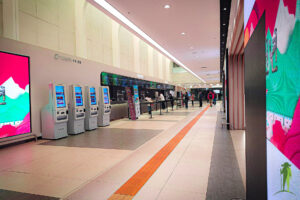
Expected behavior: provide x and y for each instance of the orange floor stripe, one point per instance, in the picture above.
(137, 181)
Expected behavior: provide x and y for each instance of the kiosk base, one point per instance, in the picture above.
(76, 127)
(91, 123)
(104, 120)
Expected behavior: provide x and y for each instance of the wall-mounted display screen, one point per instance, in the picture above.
(60, 96)
(78, 96)
(93, 96)
(15, 116)
(108, 79)
(105, 96)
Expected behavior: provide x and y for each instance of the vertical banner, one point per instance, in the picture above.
(130, 103)
(136, 101)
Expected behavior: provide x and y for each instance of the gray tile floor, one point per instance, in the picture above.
(107, 138)
(12, 195)
(225, 180)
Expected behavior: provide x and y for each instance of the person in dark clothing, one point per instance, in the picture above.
(186, 98)
(215, 99)
(172, 100)
(200, 96)
(193, 98)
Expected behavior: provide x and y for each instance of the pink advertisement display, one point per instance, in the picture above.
(14, 95)
(282, 46)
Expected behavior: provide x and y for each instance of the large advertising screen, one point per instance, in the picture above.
(105, 96)
(15, 118)
(282, 93)
(78, 96)
(93, 96)
(60, 96)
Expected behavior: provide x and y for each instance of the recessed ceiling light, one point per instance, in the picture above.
(224, 24)
(109, 8)
(225, 8)
(167, 6)
(183, 33)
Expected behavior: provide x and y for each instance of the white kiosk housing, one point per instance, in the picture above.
(91, 112)
(54, 115)
(104, 106)
(76, 110)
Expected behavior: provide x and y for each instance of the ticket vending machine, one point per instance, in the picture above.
(104, 106)
(136, 101)
(76, 110)
(54, 115)
(91, 111)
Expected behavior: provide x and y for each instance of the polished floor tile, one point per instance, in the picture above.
(108, 138)
(93, 165)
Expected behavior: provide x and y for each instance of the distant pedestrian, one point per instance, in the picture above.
(186, 99)
(210, 97)
(162, 99)
(200, 96)
(192, 99)
(215, 98)
(172, 100)
(148, 99)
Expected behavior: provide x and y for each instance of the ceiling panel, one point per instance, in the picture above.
(198, 19)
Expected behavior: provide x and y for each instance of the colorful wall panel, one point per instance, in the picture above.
(14, 95)
(282, 44)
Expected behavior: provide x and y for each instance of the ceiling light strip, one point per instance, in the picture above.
(126, 21)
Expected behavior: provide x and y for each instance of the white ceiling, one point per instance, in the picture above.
(199, 19)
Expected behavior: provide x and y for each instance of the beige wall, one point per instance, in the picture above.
(77, 28)
(184, 78)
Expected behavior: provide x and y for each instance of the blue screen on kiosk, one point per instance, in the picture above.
(93, 96)
(105, 96)
(60, 96)
(78, 96)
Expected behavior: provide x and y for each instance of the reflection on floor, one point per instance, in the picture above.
(93, 165)
(108, 138)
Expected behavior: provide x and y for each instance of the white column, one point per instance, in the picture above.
(11, 19)
(80, 28)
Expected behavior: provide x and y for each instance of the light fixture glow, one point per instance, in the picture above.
(126, 21)
(224, 24)
(167, 6)
(225, 8)
(183, 33)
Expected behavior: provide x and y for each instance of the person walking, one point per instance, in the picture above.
(148, 99)
(200, 96)
(215, 99)
(186, 98)
(193, 98)
(162, 99)
(172, 100)
(210, 97)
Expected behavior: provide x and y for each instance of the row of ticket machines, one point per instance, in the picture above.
(84, 111)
